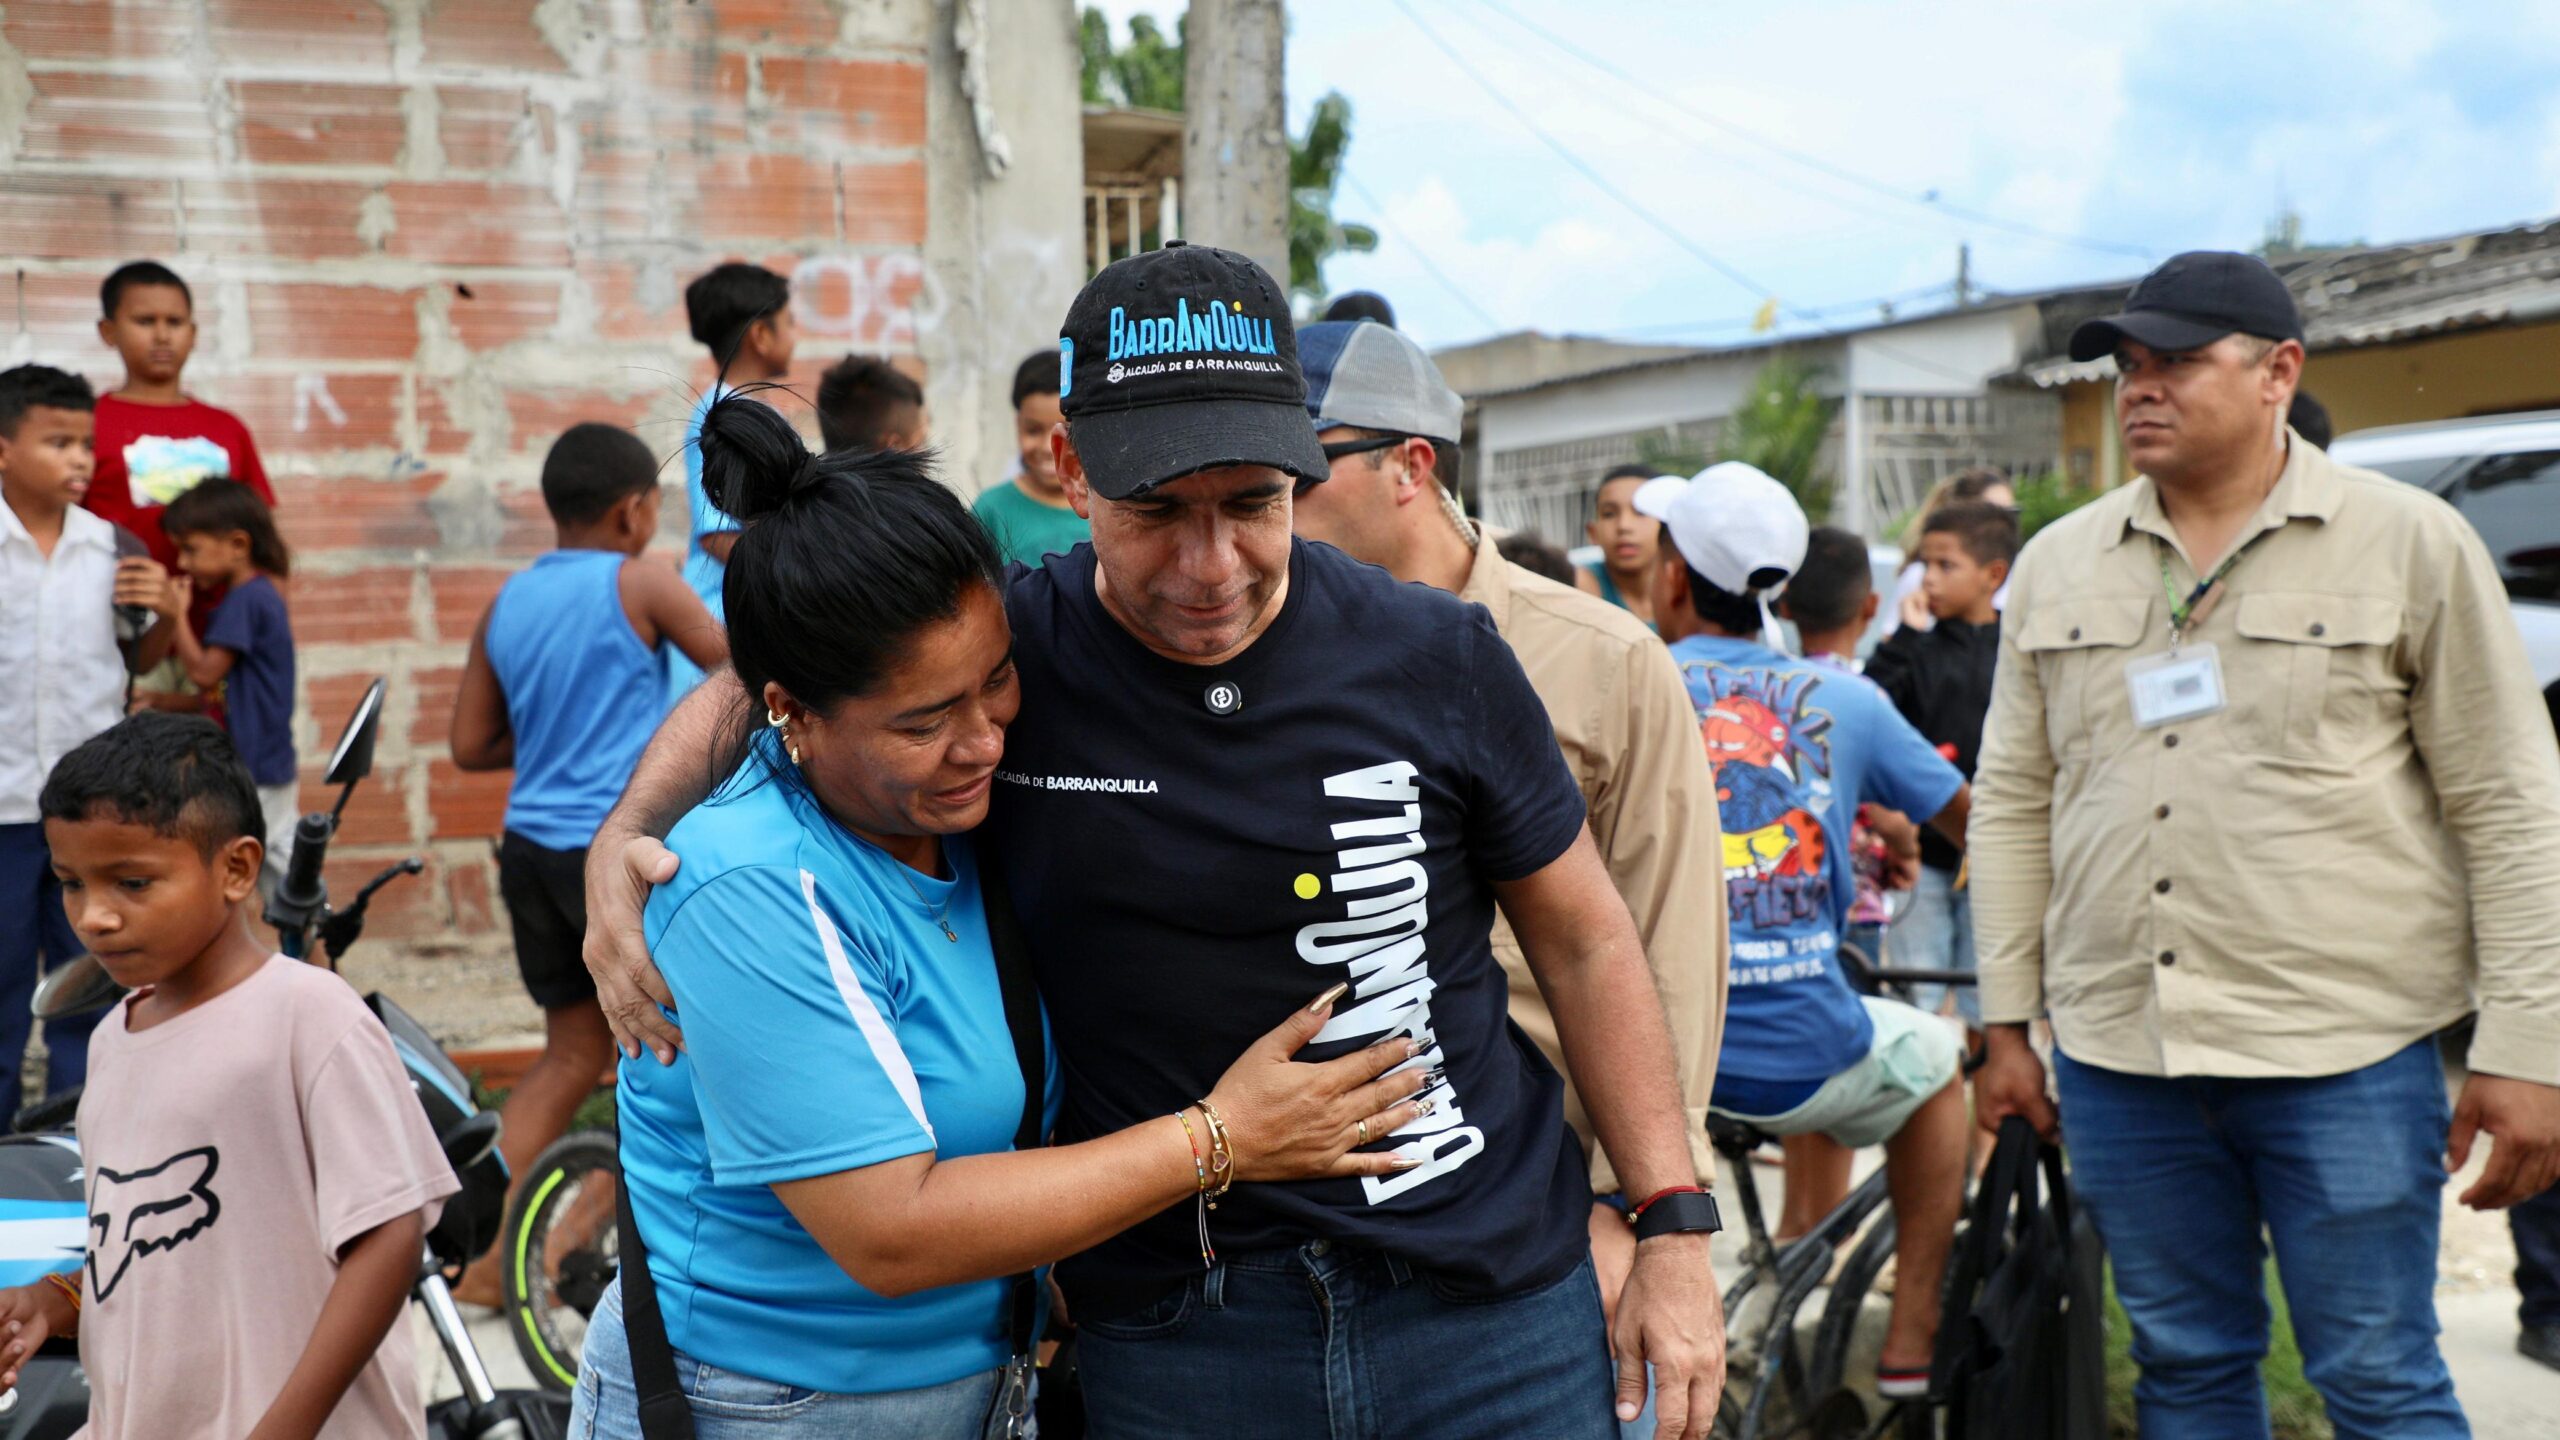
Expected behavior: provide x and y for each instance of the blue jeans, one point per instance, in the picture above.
(2536, 1227)
(730, 1406)
(35, 936)
(1322, 1342)
(2184, 1177)
(1936, 933)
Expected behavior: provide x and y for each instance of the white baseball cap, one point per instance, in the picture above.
(1732, 523)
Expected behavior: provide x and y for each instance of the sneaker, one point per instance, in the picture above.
(1902, 1384)
(2540, 1343)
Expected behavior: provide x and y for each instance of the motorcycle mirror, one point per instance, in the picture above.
(76, 989)
(353, 759)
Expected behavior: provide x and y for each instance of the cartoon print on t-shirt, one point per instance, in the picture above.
(1769, 746)
(142, 1212)
(160, 468)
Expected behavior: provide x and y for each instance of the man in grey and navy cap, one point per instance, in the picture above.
(1389, 424)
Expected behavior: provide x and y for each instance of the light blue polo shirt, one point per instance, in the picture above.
(829, 1024)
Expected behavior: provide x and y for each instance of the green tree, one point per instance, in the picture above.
(1315, 168)
(1147, 73)
(1779, 427)
(2045, 497)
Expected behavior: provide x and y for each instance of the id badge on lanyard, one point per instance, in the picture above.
(2184, 684)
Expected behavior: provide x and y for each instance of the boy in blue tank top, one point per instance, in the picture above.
(566, 681)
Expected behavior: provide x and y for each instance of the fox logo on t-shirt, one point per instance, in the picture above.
(142, 1212)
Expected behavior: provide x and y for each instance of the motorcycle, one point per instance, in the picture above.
(44, 1221)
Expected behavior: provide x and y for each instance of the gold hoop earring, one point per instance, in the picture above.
(775, 718)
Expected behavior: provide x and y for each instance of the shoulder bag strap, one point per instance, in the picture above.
(1030, 1052)
(665, 1413)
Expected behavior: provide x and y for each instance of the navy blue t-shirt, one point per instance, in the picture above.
(257, 695)
(1186, 877)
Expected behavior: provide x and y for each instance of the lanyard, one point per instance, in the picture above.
(2198, 602)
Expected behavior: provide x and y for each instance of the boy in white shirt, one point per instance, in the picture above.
(63, 679)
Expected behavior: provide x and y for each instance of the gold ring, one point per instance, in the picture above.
(1362, 1130)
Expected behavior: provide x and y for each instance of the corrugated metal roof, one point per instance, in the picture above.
(2383, 294)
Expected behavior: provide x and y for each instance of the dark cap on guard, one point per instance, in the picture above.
(2193, 300)
(1182, 360)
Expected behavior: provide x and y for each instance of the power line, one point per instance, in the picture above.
(1421, 257)
(1645, 213)
(1599, 181)
(1815, 162)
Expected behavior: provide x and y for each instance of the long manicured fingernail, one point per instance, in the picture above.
(1332, 993)
(1426, 1107)
(1405, 1162)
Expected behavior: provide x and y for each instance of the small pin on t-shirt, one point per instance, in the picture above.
(1223, 698)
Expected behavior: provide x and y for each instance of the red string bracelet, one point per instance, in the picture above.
(1637, 1212)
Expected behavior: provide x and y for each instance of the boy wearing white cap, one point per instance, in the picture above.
(1796, 749)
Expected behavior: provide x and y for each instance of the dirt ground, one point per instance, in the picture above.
(466, 992)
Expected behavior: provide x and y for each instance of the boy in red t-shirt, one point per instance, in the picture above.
(155, 442)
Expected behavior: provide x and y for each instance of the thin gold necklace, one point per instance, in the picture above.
(941, 917)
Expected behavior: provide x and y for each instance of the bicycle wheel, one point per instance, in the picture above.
(563, 1244)
(1834, 1338)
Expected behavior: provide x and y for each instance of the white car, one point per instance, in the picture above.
(2503, 473)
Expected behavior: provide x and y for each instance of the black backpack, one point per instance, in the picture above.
(2022, 1345)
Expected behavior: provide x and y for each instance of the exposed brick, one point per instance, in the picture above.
(529, 531)
(476, 223)
(361, 607)
(442, 431)
(336, 33)
(613, 192)
(632, 306)
(407, 908)
(784, 22)
(90, 30)
(884, 204)
(488, 32)
(479, 129)
(844, 102)
(501, 312)
(377, 814)
(60, 216)
(471, 887)
(332, 322)
(129, 118)
(668, 77)
(462, 804)
(536, 417)
(763, 197)
(60, 314)
(267, 404)
(294, 123)
(318, 513)
(332, 698)
(434, 690)
(462, 594)
(274, 218)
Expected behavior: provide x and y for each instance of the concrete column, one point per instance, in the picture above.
(1235, 139)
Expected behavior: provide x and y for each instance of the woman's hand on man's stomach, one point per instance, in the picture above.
(1288, 1119)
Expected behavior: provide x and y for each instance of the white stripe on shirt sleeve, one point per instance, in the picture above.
(875, 1027)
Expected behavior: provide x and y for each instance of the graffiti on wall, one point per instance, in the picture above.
(878, 302)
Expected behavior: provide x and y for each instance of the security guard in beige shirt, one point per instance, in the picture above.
(2265, 801)
(1614, 697)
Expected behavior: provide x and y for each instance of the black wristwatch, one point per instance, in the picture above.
(1684, 1212)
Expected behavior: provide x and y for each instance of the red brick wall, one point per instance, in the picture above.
(424, 237)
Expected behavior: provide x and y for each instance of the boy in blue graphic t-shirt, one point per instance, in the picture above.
(1797, 747)
(565, 682)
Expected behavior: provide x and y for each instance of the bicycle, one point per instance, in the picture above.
(563, 1248)
(1794, 1389)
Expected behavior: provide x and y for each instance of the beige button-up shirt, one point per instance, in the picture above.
(2362, 848)
(1630, 737)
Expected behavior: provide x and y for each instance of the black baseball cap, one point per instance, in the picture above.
(2193, 300)
(1181, 360)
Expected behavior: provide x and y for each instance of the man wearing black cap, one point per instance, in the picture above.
(1246, 768)
(2266, 800)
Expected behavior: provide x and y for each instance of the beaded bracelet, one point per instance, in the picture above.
(1222, 1157)
(1199, 1171)
(70, 1289)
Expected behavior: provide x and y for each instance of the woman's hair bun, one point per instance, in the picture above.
(752, 460)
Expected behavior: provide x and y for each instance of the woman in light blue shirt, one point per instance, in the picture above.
(825, 1179)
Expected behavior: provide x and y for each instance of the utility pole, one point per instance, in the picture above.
(1235, 137)
(1964, 275)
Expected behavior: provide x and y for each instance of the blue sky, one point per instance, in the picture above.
(2150, 128)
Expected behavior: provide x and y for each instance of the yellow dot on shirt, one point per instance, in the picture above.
(1308, 887)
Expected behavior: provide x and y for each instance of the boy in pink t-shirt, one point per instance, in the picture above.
(260, 1175)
